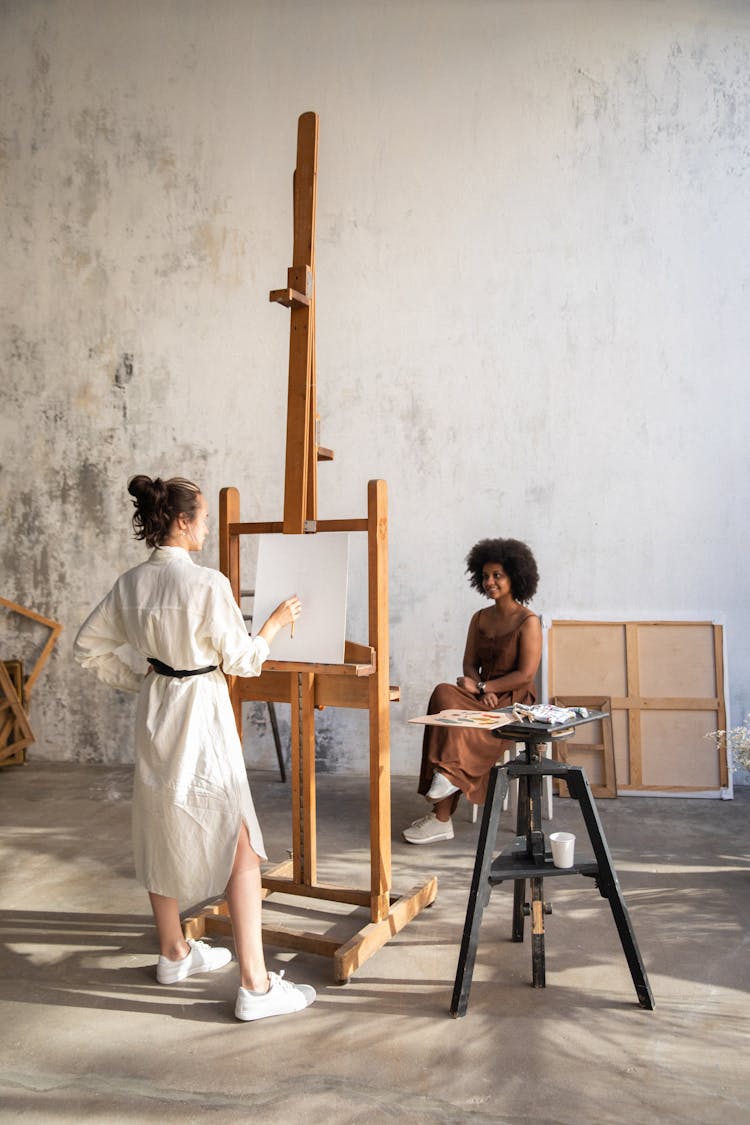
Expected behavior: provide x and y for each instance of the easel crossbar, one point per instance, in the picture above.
(276, 527)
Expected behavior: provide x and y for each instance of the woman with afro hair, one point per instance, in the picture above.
(503, 650)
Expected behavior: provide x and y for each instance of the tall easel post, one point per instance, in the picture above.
(300, 480)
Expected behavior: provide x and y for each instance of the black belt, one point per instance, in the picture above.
(178, 674)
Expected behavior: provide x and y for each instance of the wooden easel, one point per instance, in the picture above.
(362, 680)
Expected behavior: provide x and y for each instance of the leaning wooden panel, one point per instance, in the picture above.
(677, 660)
(722, 710)
(672, 675)
(587, 658)
(678, 751)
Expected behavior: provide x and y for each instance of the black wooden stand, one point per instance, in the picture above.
(529, 858)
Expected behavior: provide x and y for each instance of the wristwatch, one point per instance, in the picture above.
(481, 686)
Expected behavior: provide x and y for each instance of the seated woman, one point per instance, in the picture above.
(503, 650)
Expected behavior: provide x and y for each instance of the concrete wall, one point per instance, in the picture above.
(533, 274)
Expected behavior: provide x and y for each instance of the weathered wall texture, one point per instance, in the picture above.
(533, 271)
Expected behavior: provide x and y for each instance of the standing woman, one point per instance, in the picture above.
(195, 831)
(503, 650)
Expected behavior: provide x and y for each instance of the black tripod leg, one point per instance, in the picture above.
(538, 979)
(479, 894)
(519, 886)
(609, 884)
(519, 901)
(535, 848)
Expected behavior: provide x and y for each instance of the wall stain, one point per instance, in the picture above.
(41, 88)
(541, 494)
(124, 370)
(90, 493)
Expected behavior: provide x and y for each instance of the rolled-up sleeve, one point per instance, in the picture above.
(99, 646)
(241, 654)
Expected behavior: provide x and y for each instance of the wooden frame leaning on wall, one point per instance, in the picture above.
(666, 682)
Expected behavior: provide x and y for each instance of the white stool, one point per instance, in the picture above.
(511, 797)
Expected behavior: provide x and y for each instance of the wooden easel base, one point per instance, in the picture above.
(348, 955)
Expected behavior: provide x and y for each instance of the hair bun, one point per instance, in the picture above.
(139, 485)
(158, 502)
(144, 488)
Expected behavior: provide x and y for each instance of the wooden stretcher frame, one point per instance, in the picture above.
(55, 629)
(15, 730)
(638, 708)
(566, 751)
(361, 681)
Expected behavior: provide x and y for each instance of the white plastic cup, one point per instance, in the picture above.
(563, 848)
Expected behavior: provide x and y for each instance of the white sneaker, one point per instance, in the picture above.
(202, 958)
(282, 997)
(428, 829)
(441, 788)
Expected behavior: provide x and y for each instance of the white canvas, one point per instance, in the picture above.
(315, 567)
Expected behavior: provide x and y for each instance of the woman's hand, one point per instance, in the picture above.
(467, 684)
(285, 614)
(288, 612)
(489, 697)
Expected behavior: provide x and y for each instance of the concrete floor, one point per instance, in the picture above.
(88, 1034)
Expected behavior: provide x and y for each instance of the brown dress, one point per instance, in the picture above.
(463, 755)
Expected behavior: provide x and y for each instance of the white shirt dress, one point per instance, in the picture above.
(190, 795)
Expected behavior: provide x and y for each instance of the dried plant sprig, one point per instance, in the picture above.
(738, 741)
